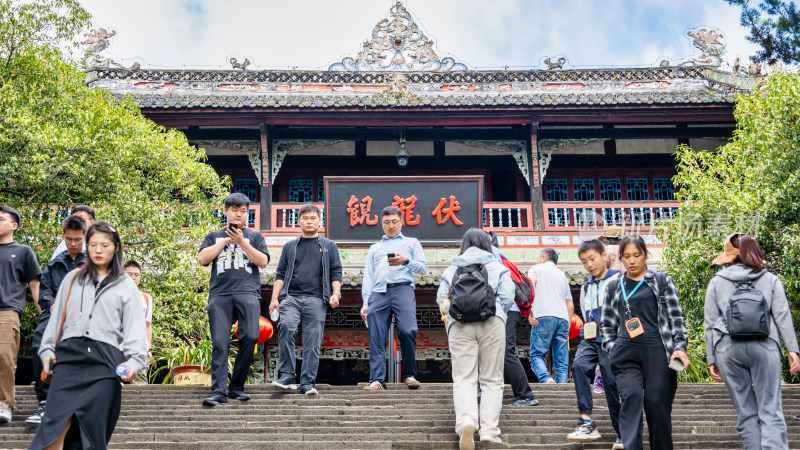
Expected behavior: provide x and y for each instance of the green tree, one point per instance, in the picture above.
(775, 26)
(751, 185)
(62, 143)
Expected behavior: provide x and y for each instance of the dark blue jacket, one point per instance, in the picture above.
(331, 266)
(54, 274)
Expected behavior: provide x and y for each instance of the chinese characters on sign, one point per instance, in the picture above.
(431, 208)
(407, 209)
(359, 212)
(449, 212)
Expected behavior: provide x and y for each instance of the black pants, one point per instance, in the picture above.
(221, 312)
(511, 364)
(644, 377)
(588, 355)
(40, 386)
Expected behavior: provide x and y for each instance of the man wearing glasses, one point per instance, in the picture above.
(388, 287)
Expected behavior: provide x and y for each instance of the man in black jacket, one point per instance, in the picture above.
(308, 279)
(74, 230)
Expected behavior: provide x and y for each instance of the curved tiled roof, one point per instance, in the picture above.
(325, 89)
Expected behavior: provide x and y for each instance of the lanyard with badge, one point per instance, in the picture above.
(633, 324)
(590, 328)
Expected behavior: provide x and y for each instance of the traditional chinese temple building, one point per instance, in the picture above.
(544, 157)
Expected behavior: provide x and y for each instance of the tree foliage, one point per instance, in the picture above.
(62, 143)
(775, 26)
(752, 185)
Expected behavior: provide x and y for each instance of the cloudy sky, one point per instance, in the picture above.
(312, 34)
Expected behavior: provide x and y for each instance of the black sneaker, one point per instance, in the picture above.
(525, 402)
(238, 395)
(37, 415)
(216, 399)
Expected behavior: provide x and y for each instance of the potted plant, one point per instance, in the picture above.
(189, 364)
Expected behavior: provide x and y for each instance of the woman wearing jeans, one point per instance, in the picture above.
(477, 344)
(643, 332)
(751, 368)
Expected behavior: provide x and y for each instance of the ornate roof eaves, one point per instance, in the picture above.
(311, 102)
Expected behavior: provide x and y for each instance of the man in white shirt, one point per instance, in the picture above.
(134, 270)
(550, 318)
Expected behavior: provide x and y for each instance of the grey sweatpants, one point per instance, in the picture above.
(310, 313)
(751, 371)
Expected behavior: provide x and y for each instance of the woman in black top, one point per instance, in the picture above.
(643, 331)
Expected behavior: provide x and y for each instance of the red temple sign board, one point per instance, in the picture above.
(431, 208)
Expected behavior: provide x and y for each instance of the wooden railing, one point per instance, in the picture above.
(507, 215)
(579, 215)
(285, 216)
(562, 216)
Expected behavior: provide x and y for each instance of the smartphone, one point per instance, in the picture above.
(676, 365)
(50, 365)
(232, 226)
(390, 255)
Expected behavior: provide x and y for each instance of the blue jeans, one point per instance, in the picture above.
(551, 332)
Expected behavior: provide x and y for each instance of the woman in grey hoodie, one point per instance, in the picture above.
(751, 369)
(97, 320)
(477, 344)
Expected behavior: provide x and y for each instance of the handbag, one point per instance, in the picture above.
(46, 376)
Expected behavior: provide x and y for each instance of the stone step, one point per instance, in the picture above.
(170, 417)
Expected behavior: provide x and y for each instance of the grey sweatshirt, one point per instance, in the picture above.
(112, 315)
(499, 280)
(720, 290)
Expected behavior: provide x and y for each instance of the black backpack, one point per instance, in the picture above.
(472, 299)
(748, 313)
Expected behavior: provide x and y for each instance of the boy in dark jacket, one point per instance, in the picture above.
(74, 230)
(307, 282)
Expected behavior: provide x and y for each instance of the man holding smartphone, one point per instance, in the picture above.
(308, 280)
(235, 254)
(388, 287)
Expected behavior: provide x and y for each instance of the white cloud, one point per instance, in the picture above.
(315, 33)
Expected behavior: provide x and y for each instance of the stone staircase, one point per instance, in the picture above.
(346, 417)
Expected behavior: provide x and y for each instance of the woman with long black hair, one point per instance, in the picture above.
(97, 319)
(643, 332)
(751, 368)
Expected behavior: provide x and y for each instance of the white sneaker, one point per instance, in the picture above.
(467, 440)
(312, 391)
(5, 412)
(492, 439)
(285, 387)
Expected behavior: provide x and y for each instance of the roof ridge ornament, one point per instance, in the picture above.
(707, 40)
(397, 44)
(97, 40)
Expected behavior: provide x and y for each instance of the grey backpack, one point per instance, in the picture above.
(748, 314)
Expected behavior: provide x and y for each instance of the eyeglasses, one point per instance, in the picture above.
(73, 240)
(391, 222)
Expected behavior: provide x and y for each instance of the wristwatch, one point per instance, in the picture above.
(407, 261)
(339, 294)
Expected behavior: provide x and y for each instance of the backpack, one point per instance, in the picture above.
(748, 314)
(523, 288)
(472, 299)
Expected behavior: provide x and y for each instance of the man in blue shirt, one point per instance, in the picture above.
(388, 287)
